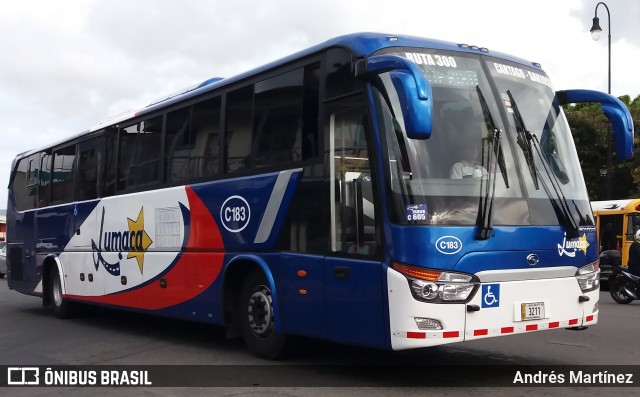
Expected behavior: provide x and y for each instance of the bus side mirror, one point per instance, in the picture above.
(614, 109)
(412, 87)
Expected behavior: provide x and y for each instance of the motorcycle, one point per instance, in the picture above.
(624, 287)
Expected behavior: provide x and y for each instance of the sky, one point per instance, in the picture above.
(67, 65)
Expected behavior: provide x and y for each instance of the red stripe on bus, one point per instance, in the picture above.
(451, 334)
(416, 335)
(532, 327)
(506, 330)
(554, 324)
(480, 332)
(573, 322)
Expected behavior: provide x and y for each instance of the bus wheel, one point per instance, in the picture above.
(257, 319)
(61, 307)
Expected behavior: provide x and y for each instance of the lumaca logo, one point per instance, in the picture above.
(134, 241)
(570, 247)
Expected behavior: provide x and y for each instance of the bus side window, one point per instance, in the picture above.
(352, 206)
(44, 189)
(91, 158)
(204, 157)
(177, 145)
(139, 154)
(633, 224)
(32, 181)
(19, 184)
(238, 134)
(110, 171)
(192, 142)
(277, 120)
(340, 80)
(62, 182)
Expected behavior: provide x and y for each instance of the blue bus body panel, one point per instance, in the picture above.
(423, 246)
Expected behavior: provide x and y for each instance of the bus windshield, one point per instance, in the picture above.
(444, 179)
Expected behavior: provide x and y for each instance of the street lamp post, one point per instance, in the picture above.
(596, 30)
(603, 175)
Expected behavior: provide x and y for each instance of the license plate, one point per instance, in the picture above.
(531, 311)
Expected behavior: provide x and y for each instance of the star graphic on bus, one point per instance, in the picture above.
(584, 244)
(140, 240)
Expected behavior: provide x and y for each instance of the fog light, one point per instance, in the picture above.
(428, 323)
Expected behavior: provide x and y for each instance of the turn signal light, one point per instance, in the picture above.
(416, 272)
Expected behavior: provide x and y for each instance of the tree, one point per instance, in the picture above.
(591, 132)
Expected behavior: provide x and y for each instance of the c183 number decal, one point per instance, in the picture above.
(235, 214)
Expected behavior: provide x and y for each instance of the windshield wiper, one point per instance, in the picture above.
(563, 212)
(485, 206)
(524, 139)
(573, 231)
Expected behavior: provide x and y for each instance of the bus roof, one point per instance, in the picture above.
(615, 205)
(362, 44)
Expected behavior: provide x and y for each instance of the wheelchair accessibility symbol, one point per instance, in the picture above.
(490, 295)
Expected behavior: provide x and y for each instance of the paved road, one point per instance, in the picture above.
(30, 335)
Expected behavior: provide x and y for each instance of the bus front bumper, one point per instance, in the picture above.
(496, 309)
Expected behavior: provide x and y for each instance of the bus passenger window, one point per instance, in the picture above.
(204, 157)
(62, 182)
(108, 187)
(19, 185)
(238, 130)
(139, 158)
(32, 180)
(277, 120)
(44, 189)
(91, 159)
(340, 80)
(193, 142)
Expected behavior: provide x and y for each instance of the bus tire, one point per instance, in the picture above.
(60, 306)
(257, 319)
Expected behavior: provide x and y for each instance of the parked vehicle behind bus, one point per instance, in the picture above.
(380, 190)
(617, 221)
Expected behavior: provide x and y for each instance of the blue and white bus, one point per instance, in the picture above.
(380, 190)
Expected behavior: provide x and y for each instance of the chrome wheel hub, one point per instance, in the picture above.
(57, 292)
(260, 312)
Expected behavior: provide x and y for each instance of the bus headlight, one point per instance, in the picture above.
(589, 277)
(435, 286)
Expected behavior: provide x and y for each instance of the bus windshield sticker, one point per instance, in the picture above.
(431, 60)
(416, 212)
(518, 73)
